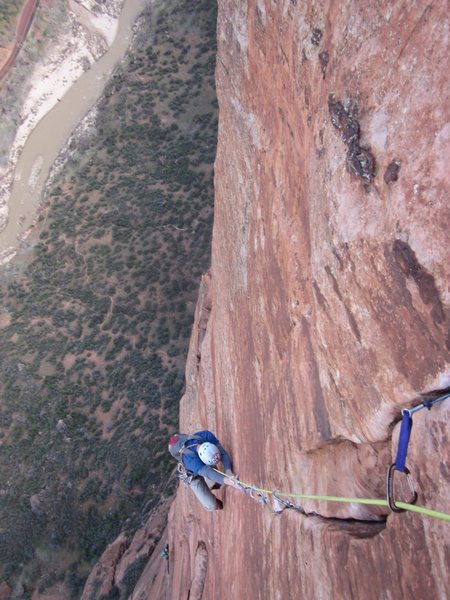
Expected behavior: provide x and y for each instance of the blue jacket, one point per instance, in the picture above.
(194, 464)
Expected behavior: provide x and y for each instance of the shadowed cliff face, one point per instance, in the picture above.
(329, 300)
(327, 307)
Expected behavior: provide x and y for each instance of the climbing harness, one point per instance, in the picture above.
(184, 475)
(402, 451)
(280, 498)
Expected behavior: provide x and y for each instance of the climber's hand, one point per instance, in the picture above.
(232, 481)
(229, 473)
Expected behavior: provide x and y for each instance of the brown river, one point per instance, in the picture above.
(50, 135)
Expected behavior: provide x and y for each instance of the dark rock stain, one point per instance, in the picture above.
(432, 394)
(343, 121)
(354, 529)
(320, 297)
(319, 406)
(401, 296)
(360, 161)
(324, 59)
(336, 289)
(444, 470)
(307, 94)
(410, 266)
(350, 317)
(337, 394)
(392, 171)
(259, 18)
(339, 259)
(316, 37)
(417, 345)
(353, 324)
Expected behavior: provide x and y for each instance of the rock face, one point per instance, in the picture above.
(126, 559)
(5, 591)
(327, 307)
(102, 578)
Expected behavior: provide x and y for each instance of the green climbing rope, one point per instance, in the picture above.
(373, 501)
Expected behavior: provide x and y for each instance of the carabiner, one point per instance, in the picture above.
(390, 488)
(286, 503)
(258, 495)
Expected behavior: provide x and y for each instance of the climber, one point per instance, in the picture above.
(165, 552)
(197, 454)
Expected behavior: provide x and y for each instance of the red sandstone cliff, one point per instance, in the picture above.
(327, 307)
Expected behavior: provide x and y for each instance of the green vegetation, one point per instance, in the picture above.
(92, 360)
(131, 577)
(9, 9)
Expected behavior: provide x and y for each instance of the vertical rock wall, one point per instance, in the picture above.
(327, 309)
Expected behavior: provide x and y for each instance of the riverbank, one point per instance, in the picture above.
(81, 40)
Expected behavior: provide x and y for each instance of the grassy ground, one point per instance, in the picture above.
(94, 330)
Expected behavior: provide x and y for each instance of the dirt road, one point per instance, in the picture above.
(25, 19)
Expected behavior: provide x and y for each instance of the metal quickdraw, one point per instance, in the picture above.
(402, 451)
(184, 475)
(286, 503)
(247, 487)
(258, 495)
